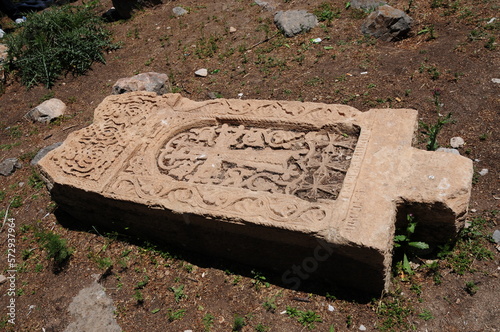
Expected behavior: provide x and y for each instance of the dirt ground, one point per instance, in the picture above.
(446, 64)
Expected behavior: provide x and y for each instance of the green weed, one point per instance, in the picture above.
(208, 321)
(238, 323)
(406, 244)
(306, 318)
(175, 314)
(178, 292)
(432, 131)
(61, 40)
(56, 247)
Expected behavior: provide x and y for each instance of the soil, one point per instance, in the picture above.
(446, 64)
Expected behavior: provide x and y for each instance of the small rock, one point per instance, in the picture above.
(457, 142)
(179, 11)
(188, 330)
(330, 307)
(483, 172)
(232, 30)
(203, 72)
(211, 95)
(496, 236)
(47, 111)
(151, 81)
(20, 184)
(293, 22)
(2, 279)
(43, 152)
(387, 23)
(473, 210)
(496, 80)
(9, 166)
(467, 224)
(266, 5)
(454, 151)
(362, 327)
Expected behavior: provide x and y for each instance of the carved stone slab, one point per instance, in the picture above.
(310, 190)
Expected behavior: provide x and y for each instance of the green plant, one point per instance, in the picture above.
(306, 318)
(178, 292)
(430, 30)
(270, 304)
(432, 131)
(61, 40)
(470, 247)
(426, 315)
(206, 47)
(16, 202)
(408, 246)
(35, 181)
(208, 321)
(326, 12)
(259, 280)
(261, 328)
(175, 314)
(471, 287)
(143, 283)
(394, 312)
(238, 323)
(56, 247)
(139, 297)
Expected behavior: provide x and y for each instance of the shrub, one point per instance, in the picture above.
(67, 39)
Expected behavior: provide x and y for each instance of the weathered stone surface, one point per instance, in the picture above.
(9, 166)
(310, 190)
(93, 310)
(387, 23)
(152, 82)
(47, 111)
(293, 22)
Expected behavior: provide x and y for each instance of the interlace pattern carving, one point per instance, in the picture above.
(308, 164)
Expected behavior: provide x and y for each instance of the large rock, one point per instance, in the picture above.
(47, 111)
(387, 23)
(9, 166)
(312, 191)
(152, 82)
(293, 22)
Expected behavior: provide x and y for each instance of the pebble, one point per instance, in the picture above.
(496, 236)
(179, 11)
(330, 307)
(496, 80)
(483, 172)
(203, 72)
(2, 279)
(232, 29)
(457, 142)
(473, 210)
(362, 327)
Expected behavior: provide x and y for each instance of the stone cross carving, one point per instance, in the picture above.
(310, 190)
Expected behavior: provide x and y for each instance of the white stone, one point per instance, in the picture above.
(47, 111)
(232, 29)
(2, 279)
(457, 142)
(330, 307)
(496, 236)
(203, 72)
(179, 11)
(483, 172)
(496, 80)
(362, 328)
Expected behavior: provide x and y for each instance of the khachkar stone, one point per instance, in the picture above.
(310, 190)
